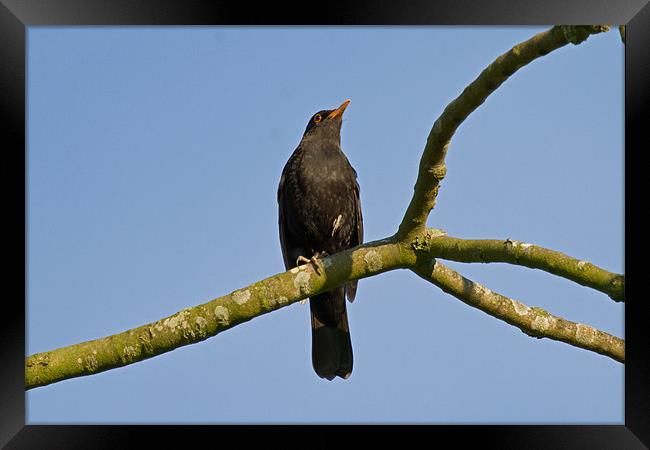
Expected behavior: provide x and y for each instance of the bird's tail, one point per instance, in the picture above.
(331, 347)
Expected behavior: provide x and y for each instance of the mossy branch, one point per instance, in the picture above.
(195, 324)
(534, 322)
(432, 164)
(528, 255)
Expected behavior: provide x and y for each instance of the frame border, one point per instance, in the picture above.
(17, 15)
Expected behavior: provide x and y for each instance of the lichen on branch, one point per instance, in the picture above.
(195, 324)
(534, 321)
(528, 255)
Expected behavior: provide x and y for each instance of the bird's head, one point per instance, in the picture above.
(327, 122)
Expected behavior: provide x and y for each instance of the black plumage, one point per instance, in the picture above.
(320, 214)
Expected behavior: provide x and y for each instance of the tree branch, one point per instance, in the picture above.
(534, 322)
(195, 324)
(432, 164)
(528, 255)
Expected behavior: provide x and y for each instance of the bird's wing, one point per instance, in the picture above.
(359, 216)
(291, 248)
(357, 238)
(282, 222)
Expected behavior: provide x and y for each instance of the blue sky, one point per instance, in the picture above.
(153, 161)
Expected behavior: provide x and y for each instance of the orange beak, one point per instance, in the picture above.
(339, 111)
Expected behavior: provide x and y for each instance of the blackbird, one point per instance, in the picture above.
(319, 215)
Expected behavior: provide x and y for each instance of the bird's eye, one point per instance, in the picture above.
(318, 118)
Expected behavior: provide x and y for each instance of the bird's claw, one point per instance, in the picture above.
(301, 259)
(314, 260)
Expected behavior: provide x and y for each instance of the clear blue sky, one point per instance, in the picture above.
(154, 156)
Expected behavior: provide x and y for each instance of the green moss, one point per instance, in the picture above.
(540, 311)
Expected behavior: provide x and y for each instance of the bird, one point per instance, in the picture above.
(319, 215)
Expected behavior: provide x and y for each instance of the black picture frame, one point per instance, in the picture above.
(17, 15)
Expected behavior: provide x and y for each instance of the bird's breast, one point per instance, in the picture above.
(321, 194)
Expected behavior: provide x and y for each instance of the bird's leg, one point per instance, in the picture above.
(301, 259)
(314, 260)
